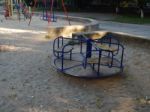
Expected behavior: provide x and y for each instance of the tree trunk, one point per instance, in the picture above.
(117, 10)
(142, 13)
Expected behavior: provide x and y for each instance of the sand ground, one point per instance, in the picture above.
(28, 83)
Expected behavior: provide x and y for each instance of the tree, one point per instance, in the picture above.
(116, 3)
(141, 6)
(125, 3)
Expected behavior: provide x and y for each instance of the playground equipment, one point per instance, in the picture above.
(45, 15)
(18, 6)
(49, 16)
(82, 56)
(27, 8)
(8, 8)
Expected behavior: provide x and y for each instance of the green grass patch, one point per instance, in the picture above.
(132, 19)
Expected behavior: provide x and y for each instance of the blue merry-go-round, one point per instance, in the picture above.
(82, 56)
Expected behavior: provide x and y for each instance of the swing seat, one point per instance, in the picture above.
(45, 18)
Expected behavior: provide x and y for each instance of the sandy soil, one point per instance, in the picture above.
(28, 83)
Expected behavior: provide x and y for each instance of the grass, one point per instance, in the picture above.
(132, 19)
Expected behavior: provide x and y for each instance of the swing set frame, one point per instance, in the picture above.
(9, 9)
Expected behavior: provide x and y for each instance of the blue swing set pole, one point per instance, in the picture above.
(18, 7)
(53, 16)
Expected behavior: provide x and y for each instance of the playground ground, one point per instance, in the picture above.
(28, 83)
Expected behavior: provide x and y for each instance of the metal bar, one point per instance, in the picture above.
(99, 61)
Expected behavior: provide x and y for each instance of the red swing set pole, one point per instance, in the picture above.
(65, 10)
(51, 11)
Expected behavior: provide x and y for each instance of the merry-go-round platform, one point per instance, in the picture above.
(83, 56)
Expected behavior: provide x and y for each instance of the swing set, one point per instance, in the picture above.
(27, 7)
(18, 6)
(45, 15)
(48, 15)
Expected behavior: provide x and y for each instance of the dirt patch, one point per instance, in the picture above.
(6, 48)
(28, 83)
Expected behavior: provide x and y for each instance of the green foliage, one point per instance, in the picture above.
(29, 2)
(127, 3)
(132, 19)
